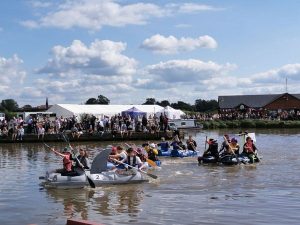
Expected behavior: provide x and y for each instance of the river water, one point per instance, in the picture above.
(185, 193)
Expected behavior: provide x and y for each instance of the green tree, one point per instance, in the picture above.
(91, 101)
(27, 107)
(9, 105)
(164, 103)
(102, 100)
(204, 106)
(183, 106)
(150, 101)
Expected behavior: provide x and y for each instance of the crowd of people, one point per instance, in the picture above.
(90, 124)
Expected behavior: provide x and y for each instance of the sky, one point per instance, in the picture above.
(130, 50)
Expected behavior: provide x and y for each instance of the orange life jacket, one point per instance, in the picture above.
(67, 162)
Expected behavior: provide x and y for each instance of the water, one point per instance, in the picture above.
(185, 193)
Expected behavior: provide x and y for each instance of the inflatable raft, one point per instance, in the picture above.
(99, 174)
(178, 153)
(227, 160)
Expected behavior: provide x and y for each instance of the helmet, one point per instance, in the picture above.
(211, 141)
(152, 145)
(234, 140)
(66, 150)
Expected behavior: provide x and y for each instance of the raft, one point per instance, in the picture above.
(178, 153)
(227, 160)
(98, 173)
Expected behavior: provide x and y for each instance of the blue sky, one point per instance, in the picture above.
(72, 50)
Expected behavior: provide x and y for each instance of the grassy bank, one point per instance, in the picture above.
(217, 124)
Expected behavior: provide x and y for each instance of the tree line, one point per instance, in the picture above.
(200, 105)
(8, 106)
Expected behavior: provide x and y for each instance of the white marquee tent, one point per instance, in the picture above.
(170, 113)
(69, 110)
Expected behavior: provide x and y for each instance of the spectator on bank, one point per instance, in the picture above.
(20, 133)
(41, 131)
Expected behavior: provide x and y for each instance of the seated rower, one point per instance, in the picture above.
(164, 145)
(191, 143)
(82, 163)
(225, 144)
(212, 149)
(120, 156)
(152, 152)
(234, 146)
(67, 162)
(132, 159)
(250, 150)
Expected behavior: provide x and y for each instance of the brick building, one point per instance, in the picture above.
(261, 104)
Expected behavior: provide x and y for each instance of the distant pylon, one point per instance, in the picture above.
(47, 103)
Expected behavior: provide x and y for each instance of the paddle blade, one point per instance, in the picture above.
(151, 163)
(92, 184)
(152, 175)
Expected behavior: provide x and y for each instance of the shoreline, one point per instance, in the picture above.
(232, 124)
(135, 136)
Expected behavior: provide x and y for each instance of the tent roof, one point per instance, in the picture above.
(103, 109)
(133, 109)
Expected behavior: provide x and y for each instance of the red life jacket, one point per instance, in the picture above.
(250, 147)
(67, 162)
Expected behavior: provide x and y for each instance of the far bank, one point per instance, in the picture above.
(245, 124)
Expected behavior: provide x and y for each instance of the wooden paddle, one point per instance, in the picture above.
(149, 174)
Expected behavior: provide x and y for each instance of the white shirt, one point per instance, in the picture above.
(137, 162)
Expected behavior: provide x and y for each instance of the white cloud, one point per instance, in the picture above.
(40, 4)
(188, 71)
(78, 72)
(193, 7)
(102, 58)
(94, 14)
(11, 71)
(170, 45)
(290, 71)
(183, 25)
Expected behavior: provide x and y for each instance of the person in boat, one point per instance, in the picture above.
(67, 161)
(212, 149)
(152, 152)
(83, 161)
(132, 159)
(225, 144)
(120, 156)
(234, 146)
(139, 153)
(250, 150)
(177, 146)
(164, 145)
(191, 143)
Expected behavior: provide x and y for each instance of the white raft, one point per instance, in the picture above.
(98, 174)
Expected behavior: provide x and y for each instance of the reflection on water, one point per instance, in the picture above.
(185, 193)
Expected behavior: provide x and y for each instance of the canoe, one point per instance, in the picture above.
(98, 173)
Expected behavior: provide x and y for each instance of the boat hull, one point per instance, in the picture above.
(56, 180)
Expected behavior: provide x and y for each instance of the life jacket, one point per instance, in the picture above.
(164, 146)
(250, 147)
(83, 161)
(67, 162)
(152, 155)
(133, 164)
